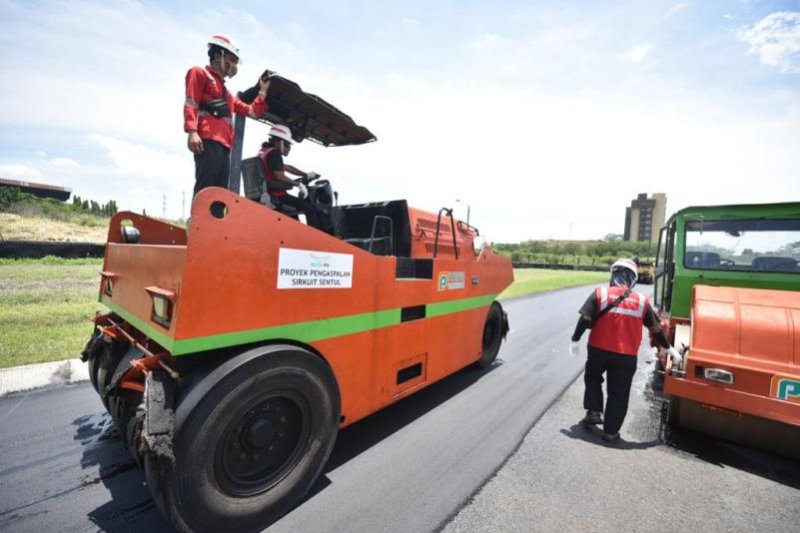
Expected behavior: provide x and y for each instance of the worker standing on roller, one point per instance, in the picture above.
(615, 314)
(208, 112)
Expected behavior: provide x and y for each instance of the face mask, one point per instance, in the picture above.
(232, 69)
(228, 68)
(622, 277)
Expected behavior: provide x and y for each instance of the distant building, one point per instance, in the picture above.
(38, 189)
(644, 218)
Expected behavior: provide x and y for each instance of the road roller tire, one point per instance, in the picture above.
(94, 351)
(492, 336)
(106, 363)
(252, 444)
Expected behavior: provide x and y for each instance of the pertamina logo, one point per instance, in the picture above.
(785, 388)
(451, 280)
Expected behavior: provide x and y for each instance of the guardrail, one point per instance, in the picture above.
(39, 249)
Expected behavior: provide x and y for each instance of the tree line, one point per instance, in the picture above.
(83, 211)
(602, 252)
(90, 206)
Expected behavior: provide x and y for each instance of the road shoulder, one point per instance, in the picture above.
(54, 373)
(564, 477)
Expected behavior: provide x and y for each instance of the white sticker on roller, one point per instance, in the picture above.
(309, 269)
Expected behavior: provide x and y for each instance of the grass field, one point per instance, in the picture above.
(45, 305)
(530, 281)
(16, 227)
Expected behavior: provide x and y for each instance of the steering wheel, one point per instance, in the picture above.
(319, 184)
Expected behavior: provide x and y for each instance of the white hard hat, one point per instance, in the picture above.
(281, 132)
(626, 263)
(226, 43)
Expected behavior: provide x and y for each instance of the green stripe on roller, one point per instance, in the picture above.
(455, 306)
(157, 335)
(314, 330)
(311, 331)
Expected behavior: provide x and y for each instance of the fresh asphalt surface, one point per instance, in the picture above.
(410, 467)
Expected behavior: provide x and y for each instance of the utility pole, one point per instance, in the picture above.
(164, 206)
(183, 205)
(458, 201)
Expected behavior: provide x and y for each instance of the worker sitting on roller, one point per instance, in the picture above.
(615, 315)
(271, 154)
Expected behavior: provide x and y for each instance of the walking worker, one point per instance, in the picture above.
(615, 314)
(207, 112)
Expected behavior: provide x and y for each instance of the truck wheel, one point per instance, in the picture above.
(254, 444)
(492, 336)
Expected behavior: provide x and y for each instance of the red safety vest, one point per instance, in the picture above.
(204, 85)
(620, 329)
(263, 154)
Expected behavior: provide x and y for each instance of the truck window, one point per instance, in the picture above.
(743, 245)
(658, 284)
(665, 268)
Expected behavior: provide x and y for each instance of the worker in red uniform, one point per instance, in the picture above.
(275, 169)
(208, 112)
(615, 315)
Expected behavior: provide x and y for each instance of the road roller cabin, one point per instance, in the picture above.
(235, 351)
(728, 291)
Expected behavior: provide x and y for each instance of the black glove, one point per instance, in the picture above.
(249, 95)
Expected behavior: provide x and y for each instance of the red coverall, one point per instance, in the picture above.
(213, 163)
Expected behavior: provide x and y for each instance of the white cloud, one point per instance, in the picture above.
(63, 163)
(576, 127)
(140, 175)
(131, 159)
(776, 40)
(637, 53)
(410, 23)
(19, 172)
(487, 41)
(680, 6)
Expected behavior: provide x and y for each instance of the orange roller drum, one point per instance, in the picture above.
(743, 360)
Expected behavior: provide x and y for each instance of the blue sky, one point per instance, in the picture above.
(545, 117)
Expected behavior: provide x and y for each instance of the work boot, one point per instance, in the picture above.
(611, 437)
(592, 418)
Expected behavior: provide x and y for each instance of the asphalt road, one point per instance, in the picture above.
(564, 477)
(410, 467)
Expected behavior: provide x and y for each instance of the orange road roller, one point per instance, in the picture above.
(237, 348)
(727, 287)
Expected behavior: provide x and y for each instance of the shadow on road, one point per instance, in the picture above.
(719, 452)
(365, 433)
(130, 506)
(595, 436)
(726, 454)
